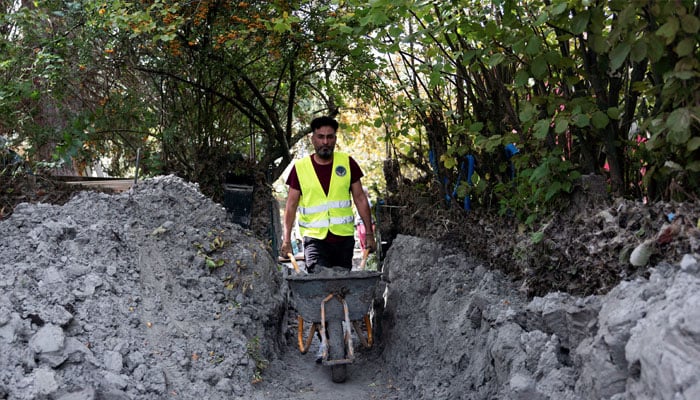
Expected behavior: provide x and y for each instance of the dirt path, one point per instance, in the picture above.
(297, 376)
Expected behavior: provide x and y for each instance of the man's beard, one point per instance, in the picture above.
(325, 153)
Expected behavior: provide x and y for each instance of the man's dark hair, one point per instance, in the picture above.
(324, 121)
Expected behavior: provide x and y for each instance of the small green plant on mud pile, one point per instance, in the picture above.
(215, 243)
(253, 350)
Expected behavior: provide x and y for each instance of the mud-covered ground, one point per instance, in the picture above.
(149, 294)
(113, 296)
(583, 250)
(154, 293)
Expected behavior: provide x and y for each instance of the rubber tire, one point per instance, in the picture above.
(376, 320)
(336, 351)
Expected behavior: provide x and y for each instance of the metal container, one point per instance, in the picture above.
(309, 290)
(238, 200)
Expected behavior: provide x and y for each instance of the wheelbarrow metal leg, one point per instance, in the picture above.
(370, 336)
(348, 336)
(324, 341)
(366, 341)
(304, 345)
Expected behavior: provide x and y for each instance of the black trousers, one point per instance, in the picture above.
(323, 253)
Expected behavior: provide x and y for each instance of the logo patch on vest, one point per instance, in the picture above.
(340, 170)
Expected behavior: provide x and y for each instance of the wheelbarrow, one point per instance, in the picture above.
(333, 303)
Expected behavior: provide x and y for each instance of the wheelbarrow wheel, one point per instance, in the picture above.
(337, 350)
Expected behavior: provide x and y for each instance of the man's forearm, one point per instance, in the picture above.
(288, 224)
(366, 216)
(290, 213)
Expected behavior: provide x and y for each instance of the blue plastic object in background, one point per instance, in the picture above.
(470, 169)
(466, 167)
(511, 151)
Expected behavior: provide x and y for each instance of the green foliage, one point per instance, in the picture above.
(204, 88)
(372, 263)
(189, 85)
(538, 190)
(537, 237)
(565, 81)
(59, 89)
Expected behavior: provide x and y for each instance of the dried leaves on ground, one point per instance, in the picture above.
(21, 187)
(583, 250)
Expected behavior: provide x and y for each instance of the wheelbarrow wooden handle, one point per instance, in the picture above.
(294, 262)
(363, 262)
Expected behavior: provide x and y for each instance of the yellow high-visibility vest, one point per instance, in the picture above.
(319, 213)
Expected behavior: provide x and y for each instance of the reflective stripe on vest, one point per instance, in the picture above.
(318, 212)
(325, 207)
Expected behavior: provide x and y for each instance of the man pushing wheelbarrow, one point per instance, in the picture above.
(322, 187)
(320, 190)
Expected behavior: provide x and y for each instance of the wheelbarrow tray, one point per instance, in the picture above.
(356, 287)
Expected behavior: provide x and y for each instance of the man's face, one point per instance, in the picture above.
(323, 139)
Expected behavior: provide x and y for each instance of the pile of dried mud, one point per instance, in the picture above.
(113, 296)
(455, 329)
(153, 293)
